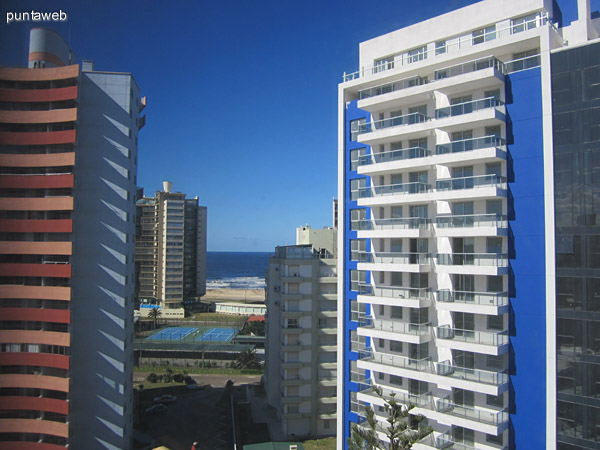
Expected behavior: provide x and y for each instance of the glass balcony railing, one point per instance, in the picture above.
(453, 184)
(475, 298)
(400, 223)
(472, 221)
(391, 87)
(466, 145)
(393, 155)
(467, 107)
(422, 401)
(407, 119)
(528, 62)
(446, 406)
(480, 376)
(403, 362)
(394, 258)
(472, 259)
(475, 337)
(468, 67)
(394, 189)
(395, 326)
(395, 292)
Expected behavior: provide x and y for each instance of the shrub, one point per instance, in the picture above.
(167, 378)
(189, 380)
(178, 378)
(152, 378)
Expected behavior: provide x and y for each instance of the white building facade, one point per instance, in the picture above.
(447, 243)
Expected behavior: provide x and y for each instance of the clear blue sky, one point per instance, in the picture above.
(242, 96)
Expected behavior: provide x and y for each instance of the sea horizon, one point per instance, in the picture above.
(236, 269)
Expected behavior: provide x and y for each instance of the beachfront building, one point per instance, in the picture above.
(301, 344)
(68, 162)
(170, 252)
(468, 275)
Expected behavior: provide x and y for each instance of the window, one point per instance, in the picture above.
(380, 376)
(396, 245)
(462, 135)
(382, 64)
(490, 438)
(494, 245)
(355, 156)
(382, 344)
(396, 278)
(355, 128)
(292, 323)
(484, 35)
(495, 93)
(495, 362)
(524, 60)
(357, 247)
(357, 277)
(356, 217)
(394, 379)
(495, 400)
(326, 424)
(356, 186)
(495, 283)
(417, 54)
(396, 312)
(495, 322)
(440, 47)
(396, 346)
(523, 23)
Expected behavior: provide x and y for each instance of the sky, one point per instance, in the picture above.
(242, 96)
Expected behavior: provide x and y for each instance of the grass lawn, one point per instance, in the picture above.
(320, 444)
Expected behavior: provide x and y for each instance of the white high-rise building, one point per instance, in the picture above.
(467, 148)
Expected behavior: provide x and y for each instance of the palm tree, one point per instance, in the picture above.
(248, 359)
(153, 314)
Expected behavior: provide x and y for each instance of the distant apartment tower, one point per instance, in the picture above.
(170, 251)
(301, 344)
(469, 277)
(68, 161)
(334, 212)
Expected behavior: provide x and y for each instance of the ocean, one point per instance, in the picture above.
(236, 270)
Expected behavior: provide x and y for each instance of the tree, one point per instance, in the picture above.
(153, 314)
(248, 359)
(402, 431)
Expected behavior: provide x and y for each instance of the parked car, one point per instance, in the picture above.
(165, 399)
(195, 387)
(156, 409)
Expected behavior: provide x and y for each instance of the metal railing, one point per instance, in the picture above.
(400, 223)
(476, 298)
(422, 400)
(476, 337)
(480, 376)
(467, 107)
(395, 292)
(393, 155)
(406, 119)
(472, 221)
(529, 62)
(403, 362)
(453, 184)
(465, 145)
(469, 66)
(394, 258)
(472, 259)
(395, 326)
(446, 406)
(394, 189)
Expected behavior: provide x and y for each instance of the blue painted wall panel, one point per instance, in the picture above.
(527, 278)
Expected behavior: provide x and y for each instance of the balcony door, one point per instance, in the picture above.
(464, 324)
(464, 286)
(418, 248)
(463, 251)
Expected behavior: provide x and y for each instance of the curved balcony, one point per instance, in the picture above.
(39, 95)
(473, 298)
(36, 292)
(467, 107)
(37, 137)
(35, 247)
(34, 382)
(478, 181)
(475, 414)
(394, 189)
(25, 403)
(49, 181)
(37, 426)
(472, 225)
(466, 145)
(43, 74)
(486, 342)
(35, 359)
(36, 203)
(476, 375)
(393, 155)
(59, 270)
(35, 337)
(38, 160)
(49, 116)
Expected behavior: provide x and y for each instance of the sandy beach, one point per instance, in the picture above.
(238, 295)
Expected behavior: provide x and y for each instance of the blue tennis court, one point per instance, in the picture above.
(172, 334)
(218, 334)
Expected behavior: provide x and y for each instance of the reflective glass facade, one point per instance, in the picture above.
(576, 130)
